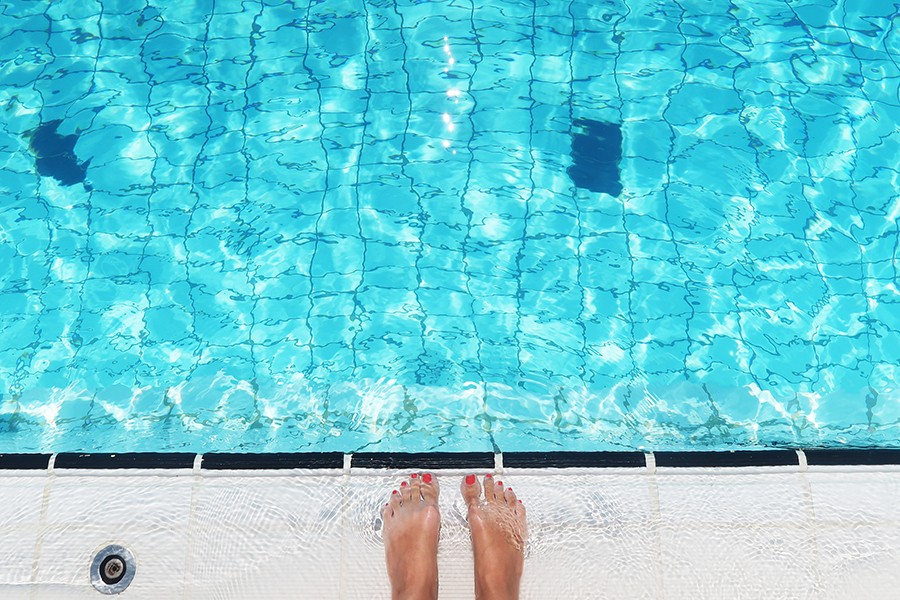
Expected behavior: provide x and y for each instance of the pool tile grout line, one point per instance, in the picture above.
(801, 457)
(42, 524)
(232, 461)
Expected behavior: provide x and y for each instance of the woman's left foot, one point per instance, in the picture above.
(412, 523)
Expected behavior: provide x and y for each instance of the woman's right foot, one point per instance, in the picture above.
(497, 523)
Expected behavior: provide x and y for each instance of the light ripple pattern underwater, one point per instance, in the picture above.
(353, 225)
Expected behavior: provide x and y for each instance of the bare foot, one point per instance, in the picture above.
(498, 538)
(412, 523)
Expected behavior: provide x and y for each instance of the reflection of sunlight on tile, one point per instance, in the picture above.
(139, 147)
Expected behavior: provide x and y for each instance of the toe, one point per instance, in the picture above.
(406, 492)
(386, 511)
(520, 510)
(395, 500)
(510, 496)
(429, 489)
(498, 492)
(490, 488)
(471, 489)
(415, 489)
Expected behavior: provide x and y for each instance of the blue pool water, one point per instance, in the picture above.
(401, 225)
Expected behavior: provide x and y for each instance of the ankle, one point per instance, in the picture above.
(416, 586)
(416, 592)
(497, 588)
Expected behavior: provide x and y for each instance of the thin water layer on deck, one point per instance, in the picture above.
(693, 534)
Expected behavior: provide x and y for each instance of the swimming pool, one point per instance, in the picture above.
(348, 226)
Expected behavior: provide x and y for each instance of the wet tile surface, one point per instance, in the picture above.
(593, 534)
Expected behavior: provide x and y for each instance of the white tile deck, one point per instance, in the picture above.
(21, 499)
(674, 534)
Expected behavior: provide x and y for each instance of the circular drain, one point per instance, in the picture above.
(112, 569)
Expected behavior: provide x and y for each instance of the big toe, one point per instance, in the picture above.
(471, 490)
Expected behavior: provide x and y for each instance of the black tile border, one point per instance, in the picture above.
(125, 460)
(22, 462)
(736, 458)
(852, 457)
(561, 460)
(422, 460)
(218, 461)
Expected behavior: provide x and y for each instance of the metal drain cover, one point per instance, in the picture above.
(112, 569)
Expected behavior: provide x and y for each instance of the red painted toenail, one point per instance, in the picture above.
(491, 475)
(520, 502)
(500, 483)
(415, 475)
(426, 477)
(402, 484)
(470, 479)
(394, 492)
